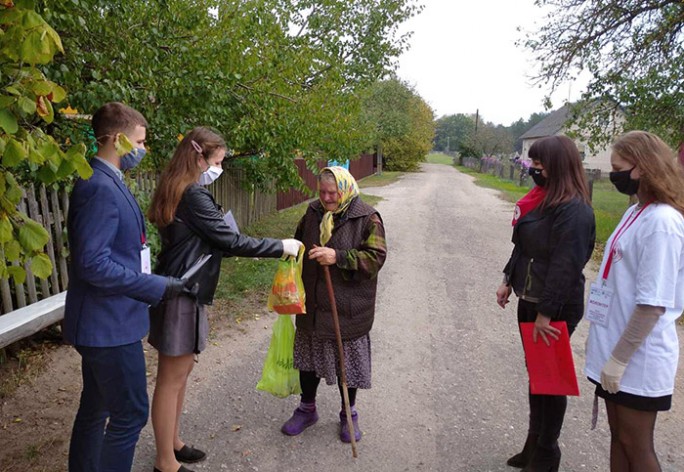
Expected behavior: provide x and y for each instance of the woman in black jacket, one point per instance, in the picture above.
(553, 234)
(191, 224)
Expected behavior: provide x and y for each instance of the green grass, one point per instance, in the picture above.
(245, 281)
(247, 277)
(380, 180)
(510, 190)
(440, 158)
(609, 204)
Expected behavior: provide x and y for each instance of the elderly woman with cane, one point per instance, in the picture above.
(346, 239)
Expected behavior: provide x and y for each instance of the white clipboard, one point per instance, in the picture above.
(201, 260)
(229, 219)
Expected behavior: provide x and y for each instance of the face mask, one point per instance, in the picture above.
(623, 181)
(209, 175)
(537, 176)
(132, 158)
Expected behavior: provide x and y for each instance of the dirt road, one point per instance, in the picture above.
(449, 388)
(449, 379)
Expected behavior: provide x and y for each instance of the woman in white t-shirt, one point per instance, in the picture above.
(632, 350)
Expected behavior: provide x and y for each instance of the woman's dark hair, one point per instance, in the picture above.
(565, 178)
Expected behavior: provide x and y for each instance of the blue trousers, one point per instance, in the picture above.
(114, 388)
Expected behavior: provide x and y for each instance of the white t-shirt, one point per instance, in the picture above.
(647, 269)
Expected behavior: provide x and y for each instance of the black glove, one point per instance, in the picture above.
(176, 287)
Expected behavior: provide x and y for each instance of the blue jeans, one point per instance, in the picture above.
(114, 388)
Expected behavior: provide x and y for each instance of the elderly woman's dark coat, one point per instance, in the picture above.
(359, 240)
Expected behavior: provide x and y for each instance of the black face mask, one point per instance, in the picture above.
(623, 181)
(537, 176)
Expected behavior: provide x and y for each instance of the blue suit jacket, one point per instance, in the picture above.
(108, 297)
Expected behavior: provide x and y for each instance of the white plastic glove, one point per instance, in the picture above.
(291, 247)
(611, 375)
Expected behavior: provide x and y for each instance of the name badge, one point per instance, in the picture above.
(145, 261)
(598, 304)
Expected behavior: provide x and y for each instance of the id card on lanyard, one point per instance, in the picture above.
(145, 259)
(600, 295)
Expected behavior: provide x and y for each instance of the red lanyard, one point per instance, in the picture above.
(142, 239)
(625, 226)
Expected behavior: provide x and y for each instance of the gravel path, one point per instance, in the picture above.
(449, 380)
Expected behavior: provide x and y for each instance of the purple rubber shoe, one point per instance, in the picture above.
(344, 428)
(304, 416)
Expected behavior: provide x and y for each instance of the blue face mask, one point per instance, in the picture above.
(132, 158)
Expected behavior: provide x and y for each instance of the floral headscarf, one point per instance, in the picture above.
(347, 189)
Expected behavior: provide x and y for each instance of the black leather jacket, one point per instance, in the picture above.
(551, 250)
(198, 228)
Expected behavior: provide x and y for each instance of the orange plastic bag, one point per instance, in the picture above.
(287, 295)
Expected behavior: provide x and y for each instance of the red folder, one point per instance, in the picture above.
(551, 368)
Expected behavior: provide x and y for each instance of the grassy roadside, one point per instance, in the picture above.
(440, 158)
(609, 206)
(387, 177)
(608, 203)
(510, 191)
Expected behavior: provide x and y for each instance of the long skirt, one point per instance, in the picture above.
(314, 354)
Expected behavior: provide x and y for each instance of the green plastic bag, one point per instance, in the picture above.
(279, 377)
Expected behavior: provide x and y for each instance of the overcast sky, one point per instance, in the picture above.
(463, 57)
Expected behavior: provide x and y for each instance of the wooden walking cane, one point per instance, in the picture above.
(340, 350)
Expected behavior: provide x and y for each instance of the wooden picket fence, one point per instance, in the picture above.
(248, 204)
(515, 172)
(49, 207)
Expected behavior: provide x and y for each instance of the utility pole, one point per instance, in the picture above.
(379, 158)
(448, 138)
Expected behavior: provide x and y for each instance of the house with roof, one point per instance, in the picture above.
(559, 122)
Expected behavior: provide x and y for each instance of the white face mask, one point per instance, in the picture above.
(209, 175)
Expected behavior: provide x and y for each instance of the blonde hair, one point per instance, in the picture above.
(662, 177)
(181, 172)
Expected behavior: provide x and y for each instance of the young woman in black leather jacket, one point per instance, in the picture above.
(553, 234)
(191, 224)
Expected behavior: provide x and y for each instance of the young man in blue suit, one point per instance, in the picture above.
(110, 288)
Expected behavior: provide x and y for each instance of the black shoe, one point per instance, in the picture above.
(182, 469)
(522, 458)
(544, 459)
(189, 455)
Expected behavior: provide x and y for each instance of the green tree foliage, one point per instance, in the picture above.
(277, 78)
(451, 132)
(520, 127)
(403, 122)
(29, 151)
(462, 135)
(634, 51)
(489, 140)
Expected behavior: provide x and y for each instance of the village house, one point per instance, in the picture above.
(558, 122)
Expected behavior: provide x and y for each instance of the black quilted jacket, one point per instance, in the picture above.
(551, 249)
(198, 228)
